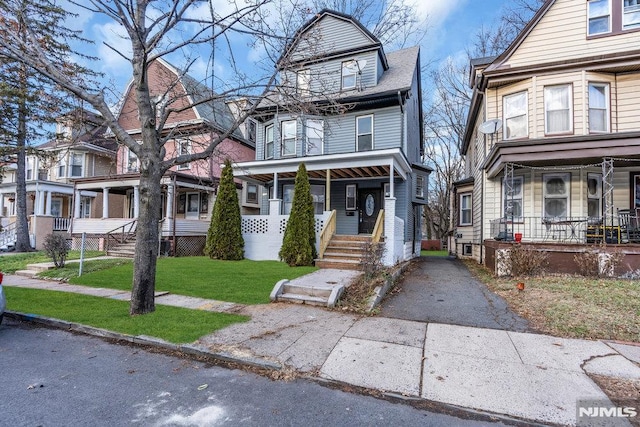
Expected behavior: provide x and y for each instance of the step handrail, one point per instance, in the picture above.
(124, 232)
(8, 234)
(327, 233)
(376, 235)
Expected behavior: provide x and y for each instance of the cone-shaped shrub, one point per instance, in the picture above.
(299, 242)
(224, 238)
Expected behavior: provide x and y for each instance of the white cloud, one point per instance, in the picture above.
(115, 36)
(437, 11)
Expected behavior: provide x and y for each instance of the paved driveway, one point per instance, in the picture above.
(442, 290)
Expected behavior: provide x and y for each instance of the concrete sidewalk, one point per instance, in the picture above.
(530, 377)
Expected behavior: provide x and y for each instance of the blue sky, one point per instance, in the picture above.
(452, 25)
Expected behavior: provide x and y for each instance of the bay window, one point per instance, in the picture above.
(556, 195)
(315, 137)
(288, 130)
(268, 142)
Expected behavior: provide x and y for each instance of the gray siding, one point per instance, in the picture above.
(414, 122)
(330, 35)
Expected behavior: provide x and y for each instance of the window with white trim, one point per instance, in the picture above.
(364, 133)
(348, 75)
(133, 165)
(75, 164)
(183, 148)
(317, 194)
(598, 107)
(420, 187)
(350, 197)
(288, 133)
(556, 192)
(252, 127)
(512, 203)
(29, 173)
(515, 112)
(315, 137)
(62, 166)
(598, 17)
(465, 209)
(303, 82)
(630, 14)
(558, 117)
(594, 195)
(252, 193)
(268, 142)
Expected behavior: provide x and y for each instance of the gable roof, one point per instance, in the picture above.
(323, 14)
(92, 140)
(206, 106)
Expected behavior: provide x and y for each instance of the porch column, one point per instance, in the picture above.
(76, 204)
(389, 230)
(327, 191)
(170, 196)
(275, 203)
(136, 201)
(105, 203)
(391, 189)
(40, 197)
(47, 211)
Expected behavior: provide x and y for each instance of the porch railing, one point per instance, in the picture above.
(327, 233)
(8, 235)
(555, 230)
(378, 229)
(120, 235)
(61, 224)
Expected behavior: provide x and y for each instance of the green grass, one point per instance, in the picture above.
(243, 282)
(71, 269)
(11, 263)
(434, 253)
(172, 324)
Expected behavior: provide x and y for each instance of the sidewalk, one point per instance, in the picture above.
(526, 376)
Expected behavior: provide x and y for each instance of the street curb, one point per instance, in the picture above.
(146, 341)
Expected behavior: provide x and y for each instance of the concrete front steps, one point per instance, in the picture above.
(322, 287)
(33, 269)
(345, 252)
(123, 250)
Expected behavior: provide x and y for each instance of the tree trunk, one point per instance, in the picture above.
(147, 241)
(23, 243)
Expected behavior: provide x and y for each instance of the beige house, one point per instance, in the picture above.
(552, 145)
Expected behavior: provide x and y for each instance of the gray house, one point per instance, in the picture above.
(352, 113)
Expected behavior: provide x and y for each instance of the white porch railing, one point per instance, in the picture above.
(8, 235)
(61, 224)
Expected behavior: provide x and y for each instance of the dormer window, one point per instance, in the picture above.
(348, 75)
(599, 21)
(63, 131)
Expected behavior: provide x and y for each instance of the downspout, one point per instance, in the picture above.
(174, 208)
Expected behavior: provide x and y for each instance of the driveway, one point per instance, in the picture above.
(442, 290)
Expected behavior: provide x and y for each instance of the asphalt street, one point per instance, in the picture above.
(442, 290)
(53, 377)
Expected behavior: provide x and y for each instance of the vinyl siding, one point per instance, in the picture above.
(628, 98)
(330, 34)
(567, 21)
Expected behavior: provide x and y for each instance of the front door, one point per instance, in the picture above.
(369, 200)
(193, 206)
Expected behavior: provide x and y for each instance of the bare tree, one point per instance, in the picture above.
(154, 29)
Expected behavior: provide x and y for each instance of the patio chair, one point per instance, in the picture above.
(624, 222)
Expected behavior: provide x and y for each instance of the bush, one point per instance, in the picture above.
(55, 245)
(524, 261)
(224, 238)
(299, 241)
(596, 261)
(372, 260)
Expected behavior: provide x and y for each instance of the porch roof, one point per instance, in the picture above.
(369, 164)
(565, 151)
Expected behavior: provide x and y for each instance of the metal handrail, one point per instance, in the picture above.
(378, 228)
(8, 234)
(128, 230)
(327, 233)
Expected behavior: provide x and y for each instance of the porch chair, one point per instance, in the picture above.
(628, 222)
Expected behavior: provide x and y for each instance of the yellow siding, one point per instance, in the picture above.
(628, 97)
(564, 27)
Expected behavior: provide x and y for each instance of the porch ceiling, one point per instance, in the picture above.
(371, 164)
(569, 151)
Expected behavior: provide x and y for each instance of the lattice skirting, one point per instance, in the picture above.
(189, 245)
(91, 243)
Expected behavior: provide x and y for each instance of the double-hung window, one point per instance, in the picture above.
(303, 82)
(631, 14)
(288, 131)
(268, 142)
(598, 107)
(516, 122)
(557, 109)
(75, 164)
(465, 209)
(512, 198)
(364, 133)
(62, 166)
(420, 187)
(132, 161)
(599, 17)
(183, 148)
(315, 137)
(556, 195)
(348, 75)
(252, 193)
(594, 195)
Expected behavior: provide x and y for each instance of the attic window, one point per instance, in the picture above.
(348, 76)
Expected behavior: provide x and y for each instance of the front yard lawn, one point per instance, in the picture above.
(172, 324)
(243, 282)
(12, 262)
(572, 306)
